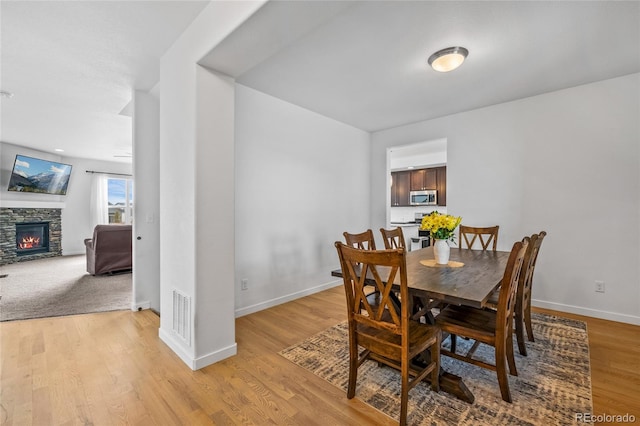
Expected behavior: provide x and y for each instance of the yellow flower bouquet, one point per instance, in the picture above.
(440, 226)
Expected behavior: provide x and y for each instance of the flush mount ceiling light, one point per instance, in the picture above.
(448, 59)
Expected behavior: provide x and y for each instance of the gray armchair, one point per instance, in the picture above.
(110, 249)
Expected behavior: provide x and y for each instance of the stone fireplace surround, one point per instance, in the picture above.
(8, 219)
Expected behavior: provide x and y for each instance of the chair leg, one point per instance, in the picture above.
(527, 322)
(510, 355)
(404, 392)
(353, 367)
(453, 339)
(503, 378)
(435, 357)
(520, 334)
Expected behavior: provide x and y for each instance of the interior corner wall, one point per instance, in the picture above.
(180, 193)
(567, 162)
(214, 167)
(146, 223)
(302, 179)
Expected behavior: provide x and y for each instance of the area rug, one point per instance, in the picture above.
(58, 286)
(553, 382)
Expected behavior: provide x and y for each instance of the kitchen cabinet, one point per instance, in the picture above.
(400, 182)
(441, 185)
(423, 179)
(418, 180)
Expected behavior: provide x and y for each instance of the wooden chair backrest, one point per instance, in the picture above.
(364, 240)
(507, 299)
(486, 236)
(530, 258)
(393, 238)
(379, 268)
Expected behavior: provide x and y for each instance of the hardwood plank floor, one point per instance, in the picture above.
(111, 368)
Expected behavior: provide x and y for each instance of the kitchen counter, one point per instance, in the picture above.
(404, 224)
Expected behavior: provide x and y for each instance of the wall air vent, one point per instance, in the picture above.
(182, 316)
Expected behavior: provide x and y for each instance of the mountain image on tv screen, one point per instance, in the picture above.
(40, 176)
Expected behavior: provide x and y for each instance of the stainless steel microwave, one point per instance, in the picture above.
(423, 198)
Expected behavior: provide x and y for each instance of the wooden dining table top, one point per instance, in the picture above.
(471, 284)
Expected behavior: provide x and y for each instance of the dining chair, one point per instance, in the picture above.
(494, 328)
(386, 333)
(364, 240)
(393, 238)
(485, 236)
(522, 314)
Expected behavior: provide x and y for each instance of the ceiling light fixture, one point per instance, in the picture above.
(6, 94)
(448, 59)
(59, 150)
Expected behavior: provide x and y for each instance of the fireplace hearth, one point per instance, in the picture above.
(32, 238)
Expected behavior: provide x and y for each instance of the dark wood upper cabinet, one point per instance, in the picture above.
(418, 180)
(441, 185)
(423, 179)
(400, 189)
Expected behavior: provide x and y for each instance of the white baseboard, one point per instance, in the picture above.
(73, 253)
(611, 316)
(200, 362)
(287, 298)
(176, 347)
(140, 306)
(216, 356)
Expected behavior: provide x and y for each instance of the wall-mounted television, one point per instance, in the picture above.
(39, 176)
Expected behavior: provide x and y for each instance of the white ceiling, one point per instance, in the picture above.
(367, 65)
(73, 65)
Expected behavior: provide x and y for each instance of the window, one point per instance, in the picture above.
(120, 200)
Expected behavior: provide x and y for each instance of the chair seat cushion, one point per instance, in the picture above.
(478, 324)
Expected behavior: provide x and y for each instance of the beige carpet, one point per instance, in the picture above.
(553, 384)
(59, 286)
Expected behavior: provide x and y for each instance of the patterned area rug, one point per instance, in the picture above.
(553, 382)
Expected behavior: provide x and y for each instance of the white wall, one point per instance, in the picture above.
(76, 223)
(146, 223)
(425, 154)
(181, 142)
(214, 219)
(301, 180)
(567, 162)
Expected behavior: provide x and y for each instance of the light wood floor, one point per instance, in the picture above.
(111, 368)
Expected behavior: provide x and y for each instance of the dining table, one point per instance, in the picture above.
(469, 278)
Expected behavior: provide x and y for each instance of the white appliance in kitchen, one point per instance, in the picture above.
(413, 240)
(417, 241)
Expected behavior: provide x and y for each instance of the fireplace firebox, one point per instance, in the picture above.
(31, 238)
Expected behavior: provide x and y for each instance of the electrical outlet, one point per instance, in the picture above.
(244, 284)
(599, 286)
